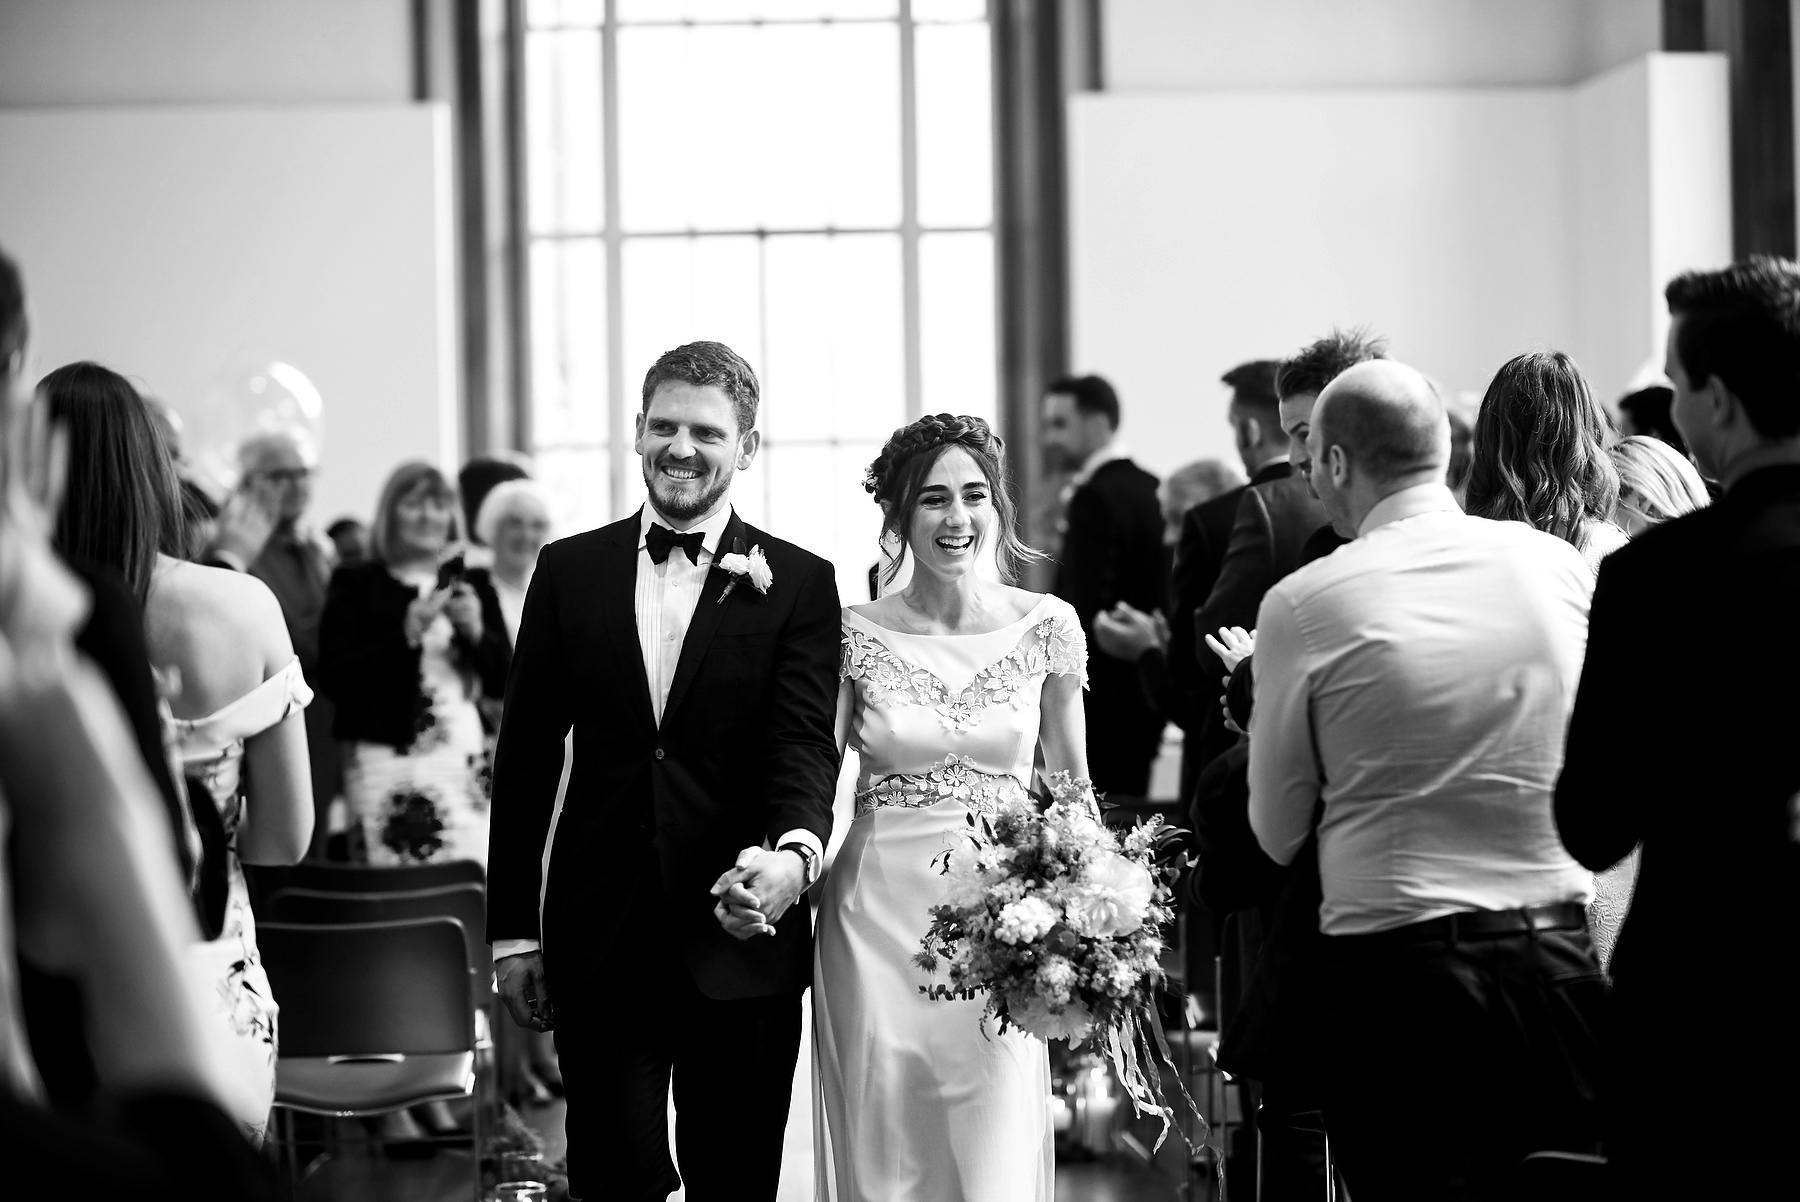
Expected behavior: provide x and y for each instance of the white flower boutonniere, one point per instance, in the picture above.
(754, 566)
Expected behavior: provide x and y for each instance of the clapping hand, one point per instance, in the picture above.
(1126, 633)
(1233, 645)
(423, 611)
(755, 892)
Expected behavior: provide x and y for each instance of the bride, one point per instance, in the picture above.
(951, 689)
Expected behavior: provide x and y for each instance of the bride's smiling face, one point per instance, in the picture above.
(954, 517)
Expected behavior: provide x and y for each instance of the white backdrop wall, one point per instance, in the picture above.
(180, 246)
(1466, 224)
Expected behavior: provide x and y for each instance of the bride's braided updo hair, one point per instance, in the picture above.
(897, 477)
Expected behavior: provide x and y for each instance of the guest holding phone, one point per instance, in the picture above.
(408, 645)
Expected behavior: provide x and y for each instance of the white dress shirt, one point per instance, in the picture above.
(1419, 680)
(666, 596)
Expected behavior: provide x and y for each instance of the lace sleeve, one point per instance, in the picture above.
(1065, 646)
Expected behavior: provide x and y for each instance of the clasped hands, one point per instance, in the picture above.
(756, 891)
(1126, 633)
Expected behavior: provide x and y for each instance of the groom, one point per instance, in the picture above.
(702, 701)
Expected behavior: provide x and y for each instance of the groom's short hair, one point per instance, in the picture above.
(708, 365)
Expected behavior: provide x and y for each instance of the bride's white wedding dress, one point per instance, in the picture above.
(915, 1101)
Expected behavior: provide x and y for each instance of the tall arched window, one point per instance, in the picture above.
(810, 181)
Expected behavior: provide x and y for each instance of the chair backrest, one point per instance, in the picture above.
(373, 878)
(465, 903)
(370, 988)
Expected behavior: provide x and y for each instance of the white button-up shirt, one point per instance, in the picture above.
(666, 596)
(1419, 680)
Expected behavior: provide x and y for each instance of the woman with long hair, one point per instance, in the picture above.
(406, 652)
(1539, 455)
(236, 690)
(952, 689)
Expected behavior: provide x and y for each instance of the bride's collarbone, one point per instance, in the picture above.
(991, 612)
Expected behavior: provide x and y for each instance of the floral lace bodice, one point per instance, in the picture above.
(951, 715)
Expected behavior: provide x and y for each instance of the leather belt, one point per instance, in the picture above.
(1485, 924)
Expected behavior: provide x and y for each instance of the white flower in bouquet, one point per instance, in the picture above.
(1115, 898)
(1056, 978)
(1026, 921)
(1071, 1021)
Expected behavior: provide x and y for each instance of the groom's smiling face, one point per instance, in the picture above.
(691, 446)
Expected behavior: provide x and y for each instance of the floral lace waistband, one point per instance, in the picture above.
(956, 779)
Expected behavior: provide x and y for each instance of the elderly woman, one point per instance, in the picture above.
(514, 523)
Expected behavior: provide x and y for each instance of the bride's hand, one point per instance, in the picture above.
(757, 891)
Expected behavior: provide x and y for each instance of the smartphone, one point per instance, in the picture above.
(451, 572)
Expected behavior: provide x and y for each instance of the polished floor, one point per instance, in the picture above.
(359, 1175)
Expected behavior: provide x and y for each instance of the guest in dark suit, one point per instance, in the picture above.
(1200, 548)
(1275, 517)
(1143, 638)
(1715, 804)
(1112, 552)
(703, 709)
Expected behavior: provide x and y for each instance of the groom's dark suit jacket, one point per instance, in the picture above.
(745, 753)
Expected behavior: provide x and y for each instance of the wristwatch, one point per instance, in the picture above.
(808, 857)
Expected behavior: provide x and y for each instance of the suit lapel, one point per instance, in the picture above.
(618, 609)
(707, 616)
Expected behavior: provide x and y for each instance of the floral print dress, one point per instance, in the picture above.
(915, 1102)
(428, 801)
(210, 750)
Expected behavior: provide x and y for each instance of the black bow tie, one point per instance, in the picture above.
(662, 540)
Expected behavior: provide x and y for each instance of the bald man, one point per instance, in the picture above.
(1412, 690)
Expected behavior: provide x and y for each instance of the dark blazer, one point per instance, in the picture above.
(369, 670)
(1274, 520)
(746, 751)
(1701, 771)
(1113, 551)
(1205, 533)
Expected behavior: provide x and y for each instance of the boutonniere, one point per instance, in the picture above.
(754, 566)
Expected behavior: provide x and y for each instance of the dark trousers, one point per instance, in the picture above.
(1450, 1059)
(1292, 1161)
(629, 1022)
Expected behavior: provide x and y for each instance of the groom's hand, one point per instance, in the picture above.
(521, 980)
(758, 890)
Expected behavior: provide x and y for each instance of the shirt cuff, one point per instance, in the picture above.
(803, 836)
(515, 947)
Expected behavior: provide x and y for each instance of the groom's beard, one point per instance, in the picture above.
(686, 504)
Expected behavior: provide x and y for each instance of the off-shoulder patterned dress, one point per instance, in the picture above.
(915, 1101)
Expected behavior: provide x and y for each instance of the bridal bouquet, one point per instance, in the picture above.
(1062, 924)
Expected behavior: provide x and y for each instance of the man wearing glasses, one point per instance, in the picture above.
(263, 531)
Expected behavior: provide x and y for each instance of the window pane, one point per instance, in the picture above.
(813, 496)
(835, 337)
(748, 10)
(956, 311)
(564, 12)
(568, 342)
(578, 485)
(562, 124)
(949, 10)
(759, 127)
(678, 290)
(956, 136)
